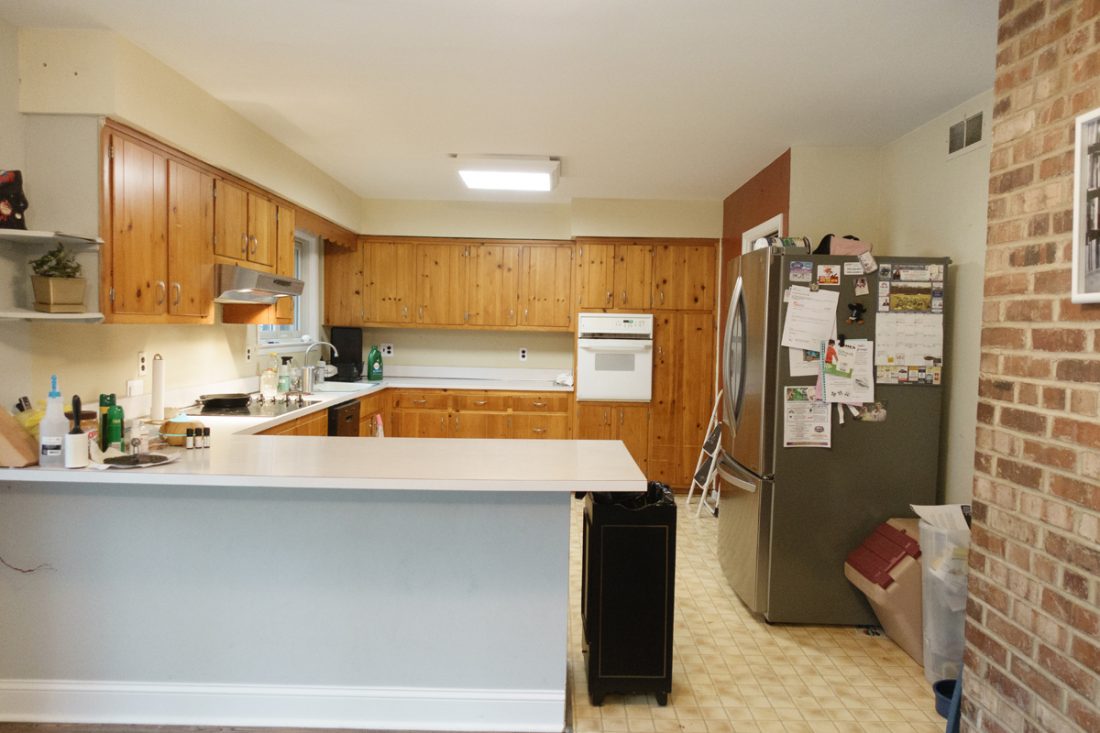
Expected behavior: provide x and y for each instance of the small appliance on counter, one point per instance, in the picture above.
(349, 344)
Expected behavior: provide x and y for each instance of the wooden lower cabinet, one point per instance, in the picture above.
(370, 407)
(628, 422)
(315, 424)
(479, 414)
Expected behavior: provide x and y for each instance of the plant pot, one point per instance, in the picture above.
(58, 294)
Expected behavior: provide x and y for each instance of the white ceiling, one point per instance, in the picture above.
(681, 99)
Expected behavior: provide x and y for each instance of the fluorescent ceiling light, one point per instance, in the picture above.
(508, 173)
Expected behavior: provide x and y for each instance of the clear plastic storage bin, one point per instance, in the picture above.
(944, 568)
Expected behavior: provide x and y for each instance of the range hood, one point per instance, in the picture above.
(236, 284)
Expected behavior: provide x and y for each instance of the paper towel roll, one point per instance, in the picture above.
(156, 411)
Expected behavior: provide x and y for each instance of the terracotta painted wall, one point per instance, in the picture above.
(1033, 618)
(761, 197)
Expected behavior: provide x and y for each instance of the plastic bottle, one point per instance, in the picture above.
(284, 375)
(105, 402)
(374, 364)
(269, 380)
(115, 420)
(52, 430)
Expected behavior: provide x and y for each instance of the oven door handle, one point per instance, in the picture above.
(604, 346)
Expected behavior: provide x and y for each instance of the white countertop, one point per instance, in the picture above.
(431, 464)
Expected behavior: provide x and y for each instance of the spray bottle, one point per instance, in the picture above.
(52, 430)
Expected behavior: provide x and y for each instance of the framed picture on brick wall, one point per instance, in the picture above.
(1086, 209)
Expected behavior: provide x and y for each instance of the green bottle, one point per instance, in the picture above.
(374, 365)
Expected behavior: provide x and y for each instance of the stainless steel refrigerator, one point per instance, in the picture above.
(789, 516)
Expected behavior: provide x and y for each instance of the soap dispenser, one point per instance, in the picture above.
(284, 375)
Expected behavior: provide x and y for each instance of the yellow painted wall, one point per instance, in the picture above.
(835, 190)
(493, 349)
(638, 218)
(405, 217)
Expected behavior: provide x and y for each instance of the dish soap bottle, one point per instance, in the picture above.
(374, 364)
(284, 375)
(52, 430)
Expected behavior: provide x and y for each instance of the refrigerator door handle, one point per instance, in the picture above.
(735, 397)
(733, 480)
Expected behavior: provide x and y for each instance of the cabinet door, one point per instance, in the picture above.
(370, 407)
(422, 424)
(595, 280)
(440, 284)
(630, 424)
(262, 231)
(315, 424)
(695, 366)
(284, 260)
(683, 277)
(492, 297)
(480, 425)
(231, 221)
(664, 424)
(343, 285)
(593, 421)
(390, 282)
(139, 224)
(547, 277)
(190, 241)
(633, 275)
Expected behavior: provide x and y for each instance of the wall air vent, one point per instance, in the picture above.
(963, 135)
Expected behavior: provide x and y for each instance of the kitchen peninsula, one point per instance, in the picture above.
(299, 581)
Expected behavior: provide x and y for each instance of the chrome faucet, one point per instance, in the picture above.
(309, 376)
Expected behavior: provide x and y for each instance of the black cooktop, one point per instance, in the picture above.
(252, 409)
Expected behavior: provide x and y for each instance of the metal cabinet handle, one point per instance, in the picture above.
(621, 411)
(442, 424)
(609, 297)
(162, 291)
(607, 417)
(255, 244)
(525, 314)
(456, 422)
(404, 311)
(624, 296)
(511, 313)
(420, 402)
(661, 296)
(244, 243)
(420, 312)
(466, 316)
(538, 430)
(480, 403)
(538, 404)
(176, 292)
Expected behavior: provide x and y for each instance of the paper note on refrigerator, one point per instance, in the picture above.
(848, 373)
(806, 420)
(811, 317)
(909, 348)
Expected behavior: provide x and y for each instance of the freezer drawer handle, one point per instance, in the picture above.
(733, 480)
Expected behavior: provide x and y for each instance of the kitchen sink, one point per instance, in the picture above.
(338, 387)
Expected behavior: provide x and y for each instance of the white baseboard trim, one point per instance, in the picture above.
(146, 703)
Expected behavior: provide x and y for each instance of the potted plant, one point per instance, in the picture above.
(58, 286)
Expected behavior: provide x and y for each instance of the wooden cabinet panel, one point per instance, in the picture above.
(421, 423)
(683, 276)
(547, 279)
(632, 429)
(548, 427)
(492, 297)
(261, 231)
(390, 282)
(139, 252)
(284, 259)
(315, 424)
(481, 425)
(440, 284)
(595, 280)
(343, 285)
(420, 400)
(593, 421)
(369, 407)
(231, 221)
(633, 275)
(664, 433)
(190, 241)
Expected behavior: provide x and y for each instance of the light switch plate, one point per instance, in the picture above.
(135, 387)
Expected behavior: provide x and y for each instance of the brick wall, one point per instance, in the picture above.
(1033, 620)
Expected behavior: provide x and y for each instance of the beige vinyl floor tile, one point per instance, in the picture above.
(734, 673)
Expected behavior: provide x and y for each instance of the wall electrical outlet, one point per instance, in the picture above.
(248, 353)
(143, 364)
(523, 354)
(387, 349)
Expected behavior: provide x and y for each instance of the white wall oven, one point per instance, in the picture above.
(615, 357)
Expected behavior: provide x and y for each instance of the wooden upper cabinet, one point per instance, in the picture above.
(190, 241)
(683, 276)
(595, 275)
(493, 280)
(231, 221)
(390, 282)
(284, 259)
(440, 284)
(245, 225)
(547, 276)
(633, 275)
(262, 230)
(139, 224)
(343, 285)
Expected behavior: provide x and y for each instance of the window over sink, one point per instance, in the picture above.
(306, 328)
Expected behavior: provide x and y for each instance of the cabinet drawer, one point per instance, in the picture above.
(541, 403)
(554, 427)
(421, 401)
(482, 403)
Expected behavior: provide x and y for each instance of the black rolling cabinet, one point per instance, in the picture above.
(627, 584)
